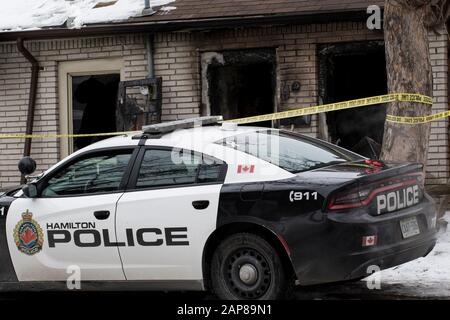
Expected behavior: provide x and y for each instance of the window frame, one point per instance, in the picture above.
(43, 182)
(131, 187)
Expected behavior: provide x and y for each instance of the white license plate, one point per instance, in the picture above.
(410, 227)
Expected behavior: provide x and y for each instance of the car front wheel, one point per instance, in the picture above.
(245, 266)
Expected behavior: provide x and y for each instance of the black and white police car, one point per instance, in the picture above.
(246, 212)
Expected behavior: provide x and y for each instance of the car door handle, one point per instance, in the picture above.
(201, 204)
(102, 215)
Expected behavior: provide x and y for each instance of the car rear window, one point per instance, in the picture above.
(289, 151)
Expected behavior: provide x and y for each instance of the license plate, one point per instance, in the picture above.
(410, 227)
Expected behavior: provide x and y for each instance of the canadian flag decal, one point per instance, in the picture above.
(245, 169)
(369, 241)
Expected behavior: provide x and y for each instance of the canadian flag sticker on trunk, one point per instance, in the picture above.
(245, 169)
(369, 241)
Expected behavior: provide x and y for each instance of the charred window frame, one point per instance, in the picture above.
(211, 61)
(370, 81)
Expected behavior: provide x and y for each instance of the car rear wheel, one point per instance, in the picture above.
(245, 266)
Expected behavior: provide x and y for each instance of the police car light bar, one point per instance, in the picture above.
(181, 124)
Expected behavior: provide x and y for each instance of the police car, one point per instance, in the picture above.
(245, 212)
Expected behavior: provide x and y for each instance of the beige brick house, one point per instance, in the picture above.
(232, 58)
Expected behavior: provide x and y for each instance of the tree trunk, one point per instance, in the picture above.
(409, 71)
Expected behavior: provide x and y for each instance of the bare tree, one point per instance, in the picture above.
(406, 27)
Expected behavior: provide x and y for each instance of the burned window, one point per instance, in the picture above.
(240, 83)
(351, 71)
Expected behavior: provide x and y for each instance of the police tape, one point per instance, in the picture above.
(418, 120)
(62, 136)
(357, 103)
(364, 102)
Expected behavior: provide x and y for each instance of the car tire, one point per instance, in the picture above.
(245, 266)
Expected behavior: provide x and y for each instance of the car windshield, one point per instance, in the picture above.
(289, 151)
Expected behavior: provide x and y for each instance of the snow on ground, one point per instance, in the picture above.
(34, 14)
(425, 276)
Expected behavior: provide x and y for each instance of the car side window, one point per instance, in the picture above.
(162, 167)
(98, 173)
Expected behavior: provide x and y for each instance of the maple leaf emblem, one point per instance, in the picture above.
(28, 236)
(246, 169)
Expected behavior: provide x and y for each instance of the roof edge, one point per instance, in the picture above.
(300, 18)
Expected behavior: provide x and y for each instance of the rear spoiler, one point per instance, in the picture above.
(393, 171)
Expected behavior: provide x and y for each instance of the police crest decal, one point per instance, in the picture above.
(28, 235)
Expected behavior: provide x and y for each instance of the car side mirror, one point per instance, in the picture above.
(30, 190)
(27, 166)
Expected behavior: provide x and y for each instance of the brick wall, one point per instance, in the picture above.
(178, 61)
(15, 74)
(438, 154)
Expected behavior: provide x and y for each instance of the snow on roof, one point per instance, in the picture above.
(20, 15)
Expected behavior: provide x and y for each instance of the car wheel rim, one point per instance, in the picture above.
(247, 273)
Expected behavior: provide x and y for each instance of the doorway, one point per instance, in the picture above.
(241, 83)
(94, 98)
(88, 91)
(352, 71)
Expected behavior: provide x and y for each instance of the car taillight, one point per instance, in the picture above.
(347, 200)
(363, 195)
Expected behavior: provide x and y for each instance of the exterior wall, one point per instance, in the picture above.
(178, 62)
(438, 154)
(15, 73)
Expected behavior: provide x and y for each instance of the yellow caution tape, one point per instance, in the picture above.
(59, 136)
(364, 102)
(418, 120)
(392, 97)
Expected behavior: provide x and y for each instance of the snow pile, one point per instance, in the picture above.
(431, 273)
(35, 14)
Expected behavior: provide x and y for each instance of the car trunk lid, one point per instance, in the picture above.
(379, 186)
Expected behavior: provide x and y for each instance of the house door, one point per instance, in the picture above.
(88, 91)
(94, 104)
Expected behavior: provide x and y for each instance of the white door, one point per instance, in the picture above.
(168, 216)
(70, 226)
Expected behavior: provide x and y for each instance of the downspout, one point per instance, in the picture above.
(150, 46)
(32, 97)
(149, 42)
(147, 8)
